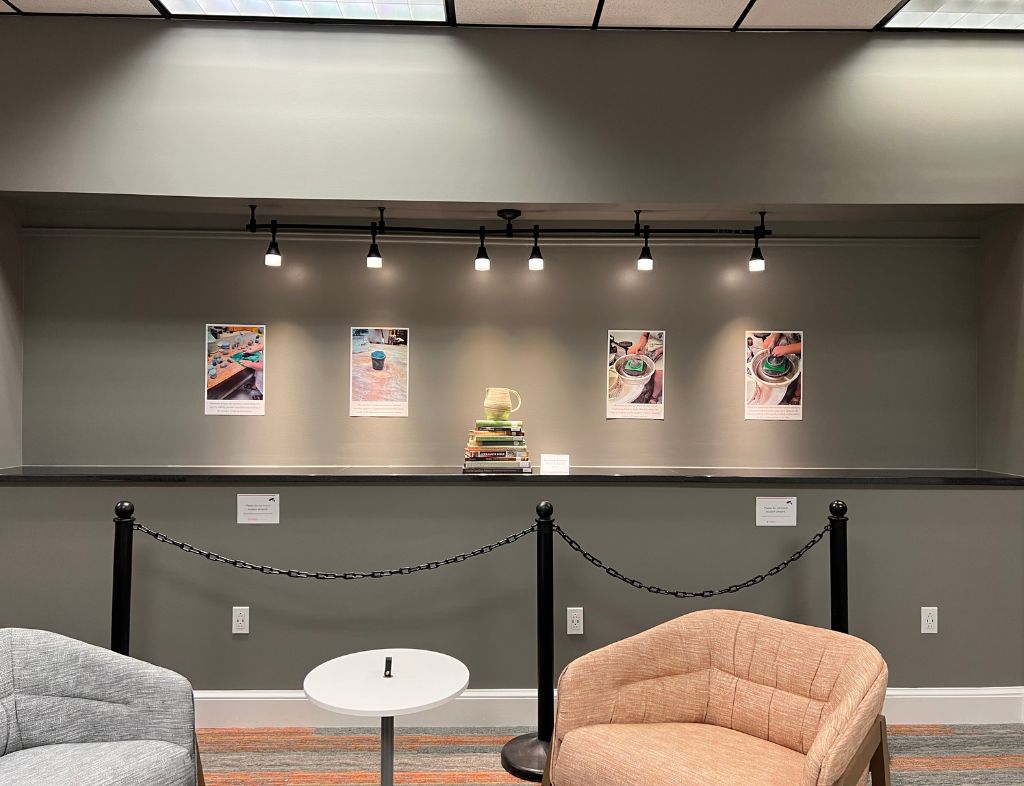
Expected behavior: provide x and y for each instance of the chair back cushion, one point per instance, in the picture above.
(769, 678)
(9, 741)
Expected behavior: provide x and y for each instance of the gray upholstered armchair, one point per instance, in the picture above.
(72, 714)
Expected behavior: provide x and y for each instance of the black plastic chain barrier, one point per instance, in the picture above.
(213, 556)
(597, 563)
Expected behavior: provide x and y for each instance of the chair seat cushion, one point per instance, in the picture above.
(672, 754)
(146, 763)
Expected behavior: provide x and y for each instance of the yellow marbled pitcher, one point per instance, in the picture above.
(498, 403)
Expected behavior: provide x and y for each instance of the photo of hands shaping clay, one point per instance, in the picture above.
(636, 374)
(235, 369)
(774, 375)
(380, 373)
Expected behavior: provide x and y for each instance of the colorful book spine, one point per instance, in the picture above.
(497, 439)
(512, 424)
(506, 464)
(497, 454)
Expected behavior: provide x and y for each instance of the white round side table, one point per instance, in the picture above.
(383, 684)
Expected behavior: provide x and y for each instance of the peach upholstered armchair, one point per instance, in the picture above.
(723, 698)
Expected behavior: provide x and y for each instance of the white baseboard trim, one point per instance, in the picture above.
(260, 708)
(518, 707)
(954, 705)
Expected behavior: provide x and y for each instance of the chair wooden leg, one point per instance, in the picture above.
(546, 780)
(200, 778)
(879, 767)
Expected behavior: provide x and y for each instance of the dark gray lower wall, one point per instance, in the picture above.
(959, 549)
(11, 339)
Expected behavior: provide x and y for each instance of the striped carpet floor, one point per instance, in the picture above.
(921, 756)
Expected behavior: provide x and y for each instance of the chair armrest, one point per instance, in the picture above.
(849, 728)
(69, 691)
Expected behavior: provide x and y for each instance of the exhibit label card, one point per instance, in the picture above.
(235, 369)
(774, 375)
(259, 508)
(776, 512)
(636, 375)
(379, 375)
(554, 464)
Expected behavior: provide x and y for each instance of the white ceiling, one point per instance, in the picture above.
(817, 14)
(987, 15)
(672, 13)
(125, 7)
(573, 13)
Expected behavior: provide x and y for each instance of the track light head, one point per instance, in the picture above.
(756, 264)
(483, 261)
(374, 259)
(645, 262)
(273, 256)
(536, 258)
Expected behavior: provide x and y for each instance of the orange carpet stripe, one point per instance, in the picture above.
(955, 763)
(300, 778)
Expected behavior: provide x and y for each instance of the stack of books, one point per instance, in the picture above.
(497, 446)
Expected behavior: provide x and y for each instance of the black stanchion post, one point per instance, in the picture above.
(527, 755)
(121, 594)
(838, 567)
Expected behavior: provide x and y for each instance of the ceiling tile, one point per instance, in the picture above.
(127, 7)
(817, 14)
(574, 13)
(672, 13)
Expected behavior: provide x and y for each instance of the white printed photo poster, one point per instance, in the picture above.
(774, 375)
(236, 358)
(636, 375)
(379, 376)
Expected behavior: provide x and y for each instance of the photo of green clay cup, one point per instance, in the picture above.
(768, 370)
(377, 359)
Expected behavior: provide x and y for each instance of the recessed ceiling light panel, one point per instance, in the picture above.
(380, 10)
(960, 15)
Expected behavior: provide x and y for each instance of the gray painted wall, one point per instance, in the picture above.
(11, 341)
(114, 350)
(962, 550)
(547, 116)
(1000, 343)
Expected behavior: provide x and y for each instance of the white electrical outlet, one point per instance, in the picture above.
(239, 619)
(929, 619)
(574, 620)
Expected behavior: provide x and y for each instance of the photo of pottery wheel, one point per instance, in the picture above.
(772, 371)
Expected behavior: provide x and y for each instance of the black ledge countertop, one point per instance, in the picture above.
(737, 476)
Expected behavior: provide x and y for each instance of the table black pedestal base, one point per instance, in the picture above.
(387, 751)
(526, 757)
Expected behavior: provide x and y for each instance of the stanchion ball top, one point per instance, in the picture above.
(124, 510)
(545, 509)
(837, 508)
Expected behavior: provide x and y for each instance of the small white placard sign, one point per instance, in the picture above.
(554, 464)
(776, 511)
(259, 508)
